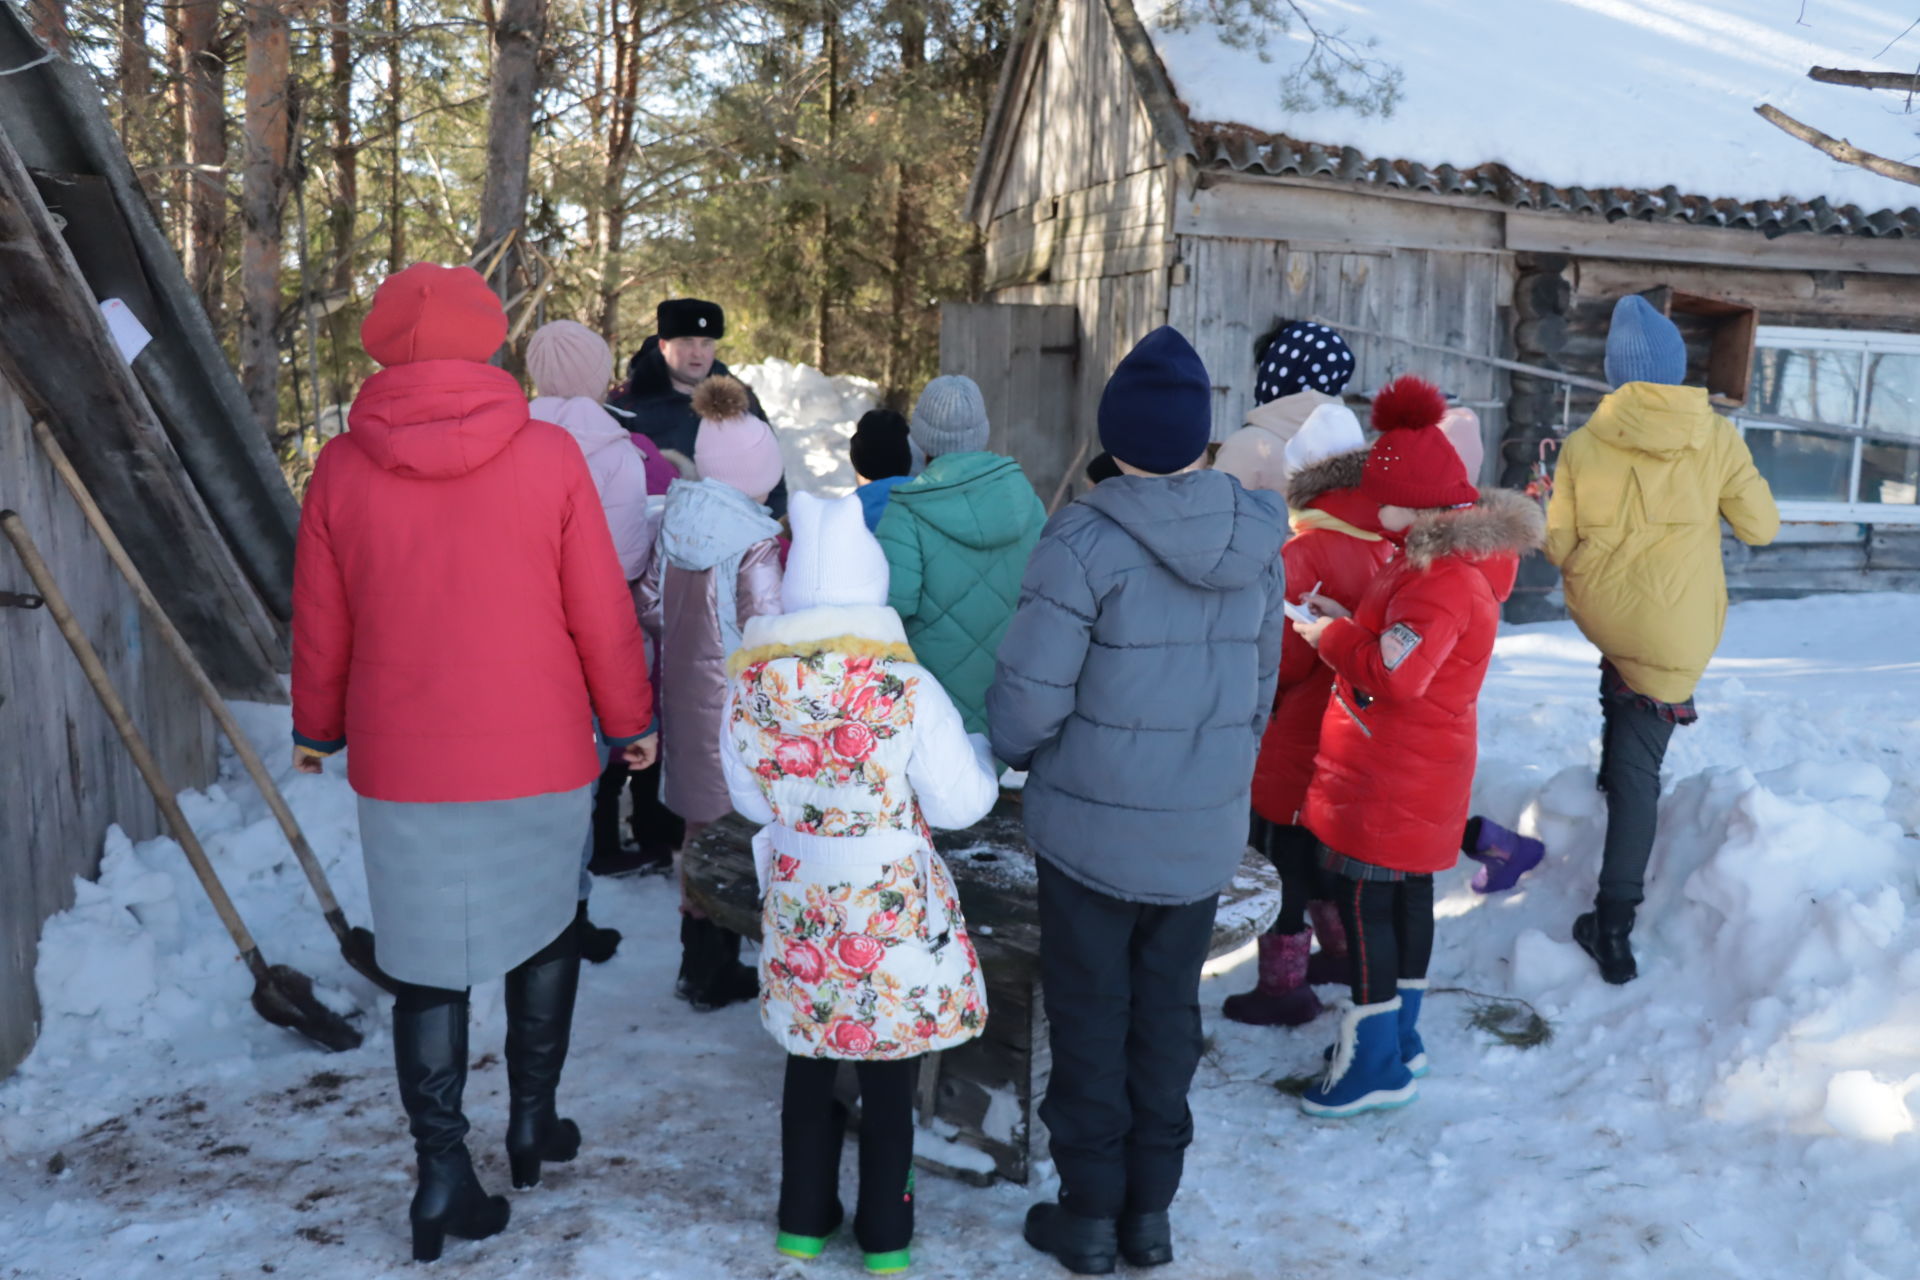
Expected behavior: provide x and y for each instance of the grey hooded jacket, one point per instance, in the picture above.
(1136, 677)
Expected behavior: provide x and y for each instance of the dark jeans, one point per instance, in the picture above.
(1294, 853)
(654, 826)
(1122, 987)
(1389, 932)
(813, 1126)
(1633, 745)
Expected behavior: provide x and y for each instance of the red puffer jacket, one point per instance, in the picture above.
(459, 612)
(1336, 542)
(1398, 746)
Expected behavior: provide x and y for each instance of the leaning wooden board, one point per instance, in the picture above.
(984, 1095)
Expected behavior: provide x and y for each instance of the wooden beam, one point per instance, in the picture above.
(1150, 78)
(1839, 148)
(1033, 26)
(1588, 237)
(1241, 206)
(1899, 81)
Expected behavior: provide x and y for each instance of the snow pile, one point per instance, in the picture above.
(814, 415)
(1590, 93)
(1744, 1109)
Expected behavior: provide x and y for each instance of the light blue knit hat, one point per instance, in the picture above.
(1643, 345)
(951, 417)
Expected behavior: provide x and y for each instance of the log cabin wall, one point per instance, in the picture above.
(68, 778)
(1807, 558)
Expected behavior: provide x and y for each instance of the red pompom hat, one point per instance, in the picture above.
(431, 312)
(1413, 464)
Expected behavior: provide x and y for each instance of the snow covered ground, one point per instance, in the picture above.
(814, 415)
(1739, 1112)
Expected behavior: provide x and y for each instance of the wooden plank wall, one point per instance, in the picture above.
(1235, 290)
(68, 777)
(1023, 358)
(1083, 123)
(1115, 312)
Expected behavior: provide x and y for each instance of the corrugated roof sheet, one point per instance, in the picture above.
(1233, 146)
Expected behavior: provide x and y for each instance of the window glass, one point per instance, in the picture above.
(1890, 471)
(1893, 394)
(1820, 386)
(1801, 466)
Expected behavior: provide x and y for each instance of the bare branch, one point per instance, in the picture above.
(1839, 148)
(1899, 81)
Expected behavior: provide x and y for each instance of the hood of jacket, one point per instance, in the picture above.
(583, 419)
(1203, 526)
(648, 375)
(1491, 535)
(1326, 495)
(708, 523)
(1284, 417)
(979, 500)
(1653, 418)
(436, 419)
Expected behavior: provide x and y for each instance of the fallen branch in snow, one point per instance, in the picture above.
(1839, 148)
(1907, 82)
(1508, 1019)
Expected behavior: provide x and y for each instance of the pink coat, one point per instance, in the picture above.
(459, 612)
(717, 564)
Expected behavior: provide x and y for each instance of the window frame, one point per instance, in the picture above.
(1863, 342)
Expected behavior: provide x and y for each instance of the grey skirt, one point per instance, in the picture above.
(461, 893)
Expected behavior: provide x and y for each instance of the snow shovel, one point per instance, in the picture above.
(356, 944)
(282, 995)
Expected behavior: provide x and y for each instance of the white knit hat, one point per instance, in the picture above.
(1329, 431)
(834, 560)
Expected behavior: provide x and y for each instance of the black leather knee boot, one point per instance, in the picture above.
(430, 1058)
(540, 994)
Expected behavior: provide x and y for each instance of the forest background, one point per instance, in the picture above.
(802, 162)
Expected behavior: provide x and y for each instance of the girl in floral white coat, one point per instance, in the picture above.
(849, 750)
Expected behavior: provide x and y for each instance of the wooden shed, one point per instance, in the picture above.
(184, 476)
(1117, 193)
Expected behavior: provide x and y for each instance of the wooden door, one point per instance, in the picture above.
(1025, 359)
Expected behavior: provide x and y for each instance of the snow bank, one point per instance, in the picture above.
(1744, 1110)
(1592, 93)
(814, 415)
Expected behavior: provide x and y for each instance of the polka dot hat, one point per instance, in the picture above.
(1303, 355)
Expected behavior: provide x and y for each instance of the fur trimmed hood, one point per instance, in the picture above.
(870, 631)
(1503, 521)
(1341, 471)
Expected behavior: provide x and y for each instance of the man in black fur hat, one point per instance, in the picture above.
(657, 399)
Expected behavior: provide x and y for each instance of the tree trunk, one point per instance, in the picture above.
(136, 75)
(518, 30)
(905, 267)
(618, 130)
(50, 24)
(341, 216)
(823, 352)
(268, 131)
(205, 92)
(396, 224)
(179, 221)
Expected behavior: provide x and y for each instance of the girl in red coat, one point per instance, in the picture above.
(1336, 548)
(1389, 795)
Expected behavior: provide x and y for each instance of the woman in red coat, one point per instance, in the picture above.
(1336, 549)
(1398, 745)
(459, 617)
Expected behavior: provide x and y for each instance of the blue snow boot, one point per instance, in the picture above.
(1366, 1073)
(1413, 1051)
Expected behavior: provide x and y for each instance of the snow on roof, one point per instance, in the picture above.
(1640, 94)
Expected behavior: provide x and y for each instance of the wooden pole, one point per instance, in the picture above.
(96, 672)
(197, 677)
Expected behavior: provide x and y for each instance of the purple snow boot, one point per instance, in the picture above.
(1504, 856)
(1329, 964)
(1282, 997)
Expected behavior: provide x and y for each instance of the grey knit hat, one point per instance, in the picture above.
(950, 417)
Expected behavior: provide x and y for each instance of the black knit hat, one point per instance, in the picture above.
(689, 318)
(879, 447)
(1102, 468)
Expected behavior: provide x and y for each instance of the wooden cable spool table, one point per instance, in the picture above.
(981, 1100)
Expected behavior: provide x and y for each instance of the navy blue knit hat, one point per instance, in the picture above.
(1302, 355)
(1157, 411)
(1643, 345)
